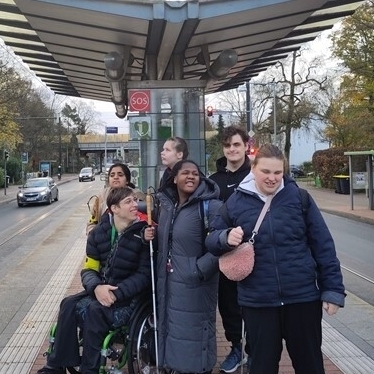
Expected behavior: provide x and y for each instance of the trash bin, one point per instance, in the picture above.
(7, 179)
(342, 184)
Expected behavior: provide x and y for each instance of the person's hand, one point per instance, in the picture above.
(104, 294)
(330, 308)
(149, 233)
(235, 236)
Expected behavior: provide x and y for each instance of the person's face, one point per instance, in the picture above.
(127, 209)
(235, 150)
(117, 178)
(268, 174)
(169, 155)
(187, 179)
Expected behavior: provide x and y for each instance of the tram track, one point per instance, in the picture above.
(357, 274)
(56, 206)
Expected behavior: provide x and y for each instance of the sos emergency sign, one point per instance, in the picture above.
(140, 100)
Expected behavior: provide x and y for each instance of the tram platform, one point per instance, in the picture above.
(348, 337)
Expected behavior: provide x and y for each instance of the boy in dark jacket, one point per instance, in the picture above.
(116, 271)
(231, 170)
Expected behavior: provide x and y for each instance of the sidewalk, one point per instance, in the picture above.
(330, 202)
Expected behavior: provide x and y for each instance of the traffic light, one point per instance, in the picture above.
(252, 149)
(119, 153)
(209, 110)
(6, 155)
(251, 152)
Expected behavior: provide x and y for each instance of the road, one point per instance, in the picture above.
(33, 242)
(354, 243)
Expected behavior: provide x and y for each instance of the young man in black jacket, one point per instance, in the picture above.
(231, 170)
(117, 270)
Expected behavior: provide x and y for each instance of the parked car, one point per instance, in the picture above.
(86, 174)
(37, 191)
(296, 172)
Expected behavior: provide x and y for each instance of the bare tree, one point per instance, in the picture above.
(297, 82)
(81, 118)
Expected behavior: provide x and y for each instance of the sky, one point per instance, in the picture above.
(303, 146)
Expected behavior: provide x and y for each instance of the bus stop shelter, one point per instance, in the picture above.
(362, 179)
(156, 60)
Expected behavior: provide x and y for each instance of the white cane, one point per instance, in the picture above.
(149, 218)
(243, 346)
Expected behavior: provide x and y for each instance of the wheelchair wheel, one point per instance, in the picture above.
(141, 345)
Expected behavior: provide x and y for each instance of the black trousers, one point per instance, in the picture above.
(229, 309)
(300, 325)
(97, 322)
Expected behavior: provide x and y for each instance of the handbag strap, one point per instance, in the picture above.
(260, 218)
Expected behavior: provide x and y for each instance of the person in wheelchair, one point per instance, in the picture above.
(116, 271)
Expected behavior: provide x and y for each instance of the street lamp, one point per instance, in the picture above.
(275, 113)
(67, 147)
(249, 106)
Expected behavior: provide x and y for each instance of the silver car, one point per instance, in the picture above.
(86, 174)
(37, 191)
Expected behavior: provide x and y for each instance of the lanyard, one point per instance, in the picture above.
(113, 235)
(114, 245)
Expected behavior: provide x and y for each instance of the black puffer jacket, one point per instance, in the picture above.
(228, 180)
(129, 267)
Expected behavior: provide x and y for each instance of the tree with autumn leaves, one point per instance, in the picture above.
(351, 113)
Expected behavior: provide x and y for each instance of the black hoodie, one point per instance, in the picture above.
(227, 180)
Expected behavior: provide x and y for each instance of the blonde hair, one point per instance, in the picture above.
(268, 151)
(180, 145)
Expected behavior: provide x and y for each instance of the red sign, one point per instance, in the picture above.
(140, 100)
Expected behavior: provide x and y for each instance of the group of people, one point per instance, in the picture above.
(296, 274)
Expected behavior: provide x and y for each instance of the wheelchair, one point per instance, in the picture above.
(132, 344)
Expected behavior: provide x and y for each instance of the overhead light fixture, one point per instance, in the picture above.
(114, 65)
(121, 110)
(221, 66)
(115, 71)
